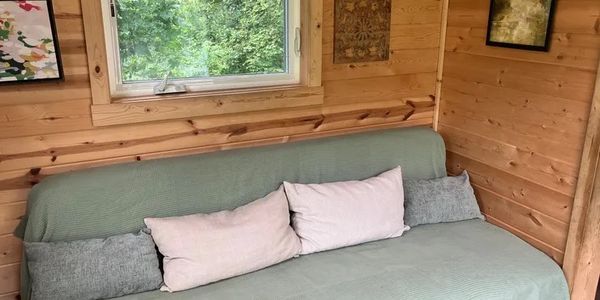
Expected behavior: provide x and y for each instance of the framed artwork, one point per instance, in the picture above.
(29, 49)
(362, 31)
(521, 24)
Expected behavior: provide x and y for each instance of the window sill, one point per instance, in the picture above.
(168, 107)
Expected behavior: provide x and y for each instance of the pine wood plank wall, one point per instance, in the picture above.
(517, 119)
(47, 128)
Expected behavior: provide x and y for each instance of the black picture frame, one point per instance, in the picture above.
(57, 52)
(549, 27)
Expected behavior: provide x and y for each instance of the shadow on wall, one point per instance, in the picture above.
(598, 290)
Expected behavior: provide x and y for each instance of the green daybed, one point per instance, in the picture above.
(463, 260)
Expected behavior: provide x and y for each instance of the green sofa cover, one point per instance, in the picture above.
(106, 201)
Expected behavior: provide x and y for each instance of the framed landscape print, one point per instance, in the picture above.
(522, 24)
(29, 49)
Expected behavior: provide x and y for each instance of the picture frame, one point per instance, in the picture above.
(29, 45)
(362, 31)
(521, 24)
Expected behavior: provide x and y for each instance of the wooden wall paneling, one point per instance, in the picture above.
(10, 296)
(62, 148)
(10, 249)
(547, 229)
(553, 174)
(582, 260)
(516, 120)
(44, 118)
(47, 128)
(387, 88)
(534, 77)
(10, 215)
(9, 278)
(555, 254)
(519, 190)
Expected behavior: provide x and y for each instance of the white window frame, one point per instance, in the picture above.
(118, 89)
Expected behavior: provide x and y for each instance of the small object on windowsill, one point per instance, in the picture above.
(165, 88)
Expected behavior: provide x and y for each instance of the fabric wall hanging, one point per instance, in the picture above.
(362, 31)
(29, 49)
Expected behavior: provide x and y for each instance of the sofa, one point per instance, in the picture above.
(462, 260)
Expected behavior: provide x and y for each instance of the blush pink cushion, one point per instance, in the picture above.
(333, 215)
(204, 248)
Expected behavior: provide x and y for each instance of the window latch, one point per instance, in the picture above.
(113, 10)
(165, 87)
(298, 41)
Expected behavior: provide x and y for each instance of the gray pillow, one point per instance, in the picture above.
(441, 200)
(93, 269)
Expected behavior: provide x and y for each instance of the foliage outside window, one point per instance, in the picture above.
(206, 44)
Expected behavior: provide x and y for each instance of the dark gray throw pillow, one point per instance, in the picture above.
(441, 200)
(93, 269)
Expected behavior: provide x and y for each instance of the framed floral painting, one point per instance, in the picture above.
(521, 24)
(29, 49)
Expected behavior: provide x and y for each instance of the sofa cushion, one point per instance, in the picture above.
(339, 214)
(451, 261)
(204, 248)
(439, 200)
(93, 269)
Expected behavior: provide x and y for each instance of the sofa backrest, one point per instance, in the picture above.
(113, 200)
(106, 201)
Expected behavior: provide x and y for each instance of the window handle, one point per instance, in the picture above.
(113, 10)
(165, 88)
(161, 87)
(298, 41)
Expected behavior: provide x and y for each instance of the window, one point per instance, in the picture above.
(206, 45)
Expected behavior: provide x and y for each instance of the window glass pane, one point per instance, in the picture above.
(201, 38)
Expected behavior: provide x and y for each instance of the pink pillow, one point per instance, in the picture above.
(333, 215)
(204, 248)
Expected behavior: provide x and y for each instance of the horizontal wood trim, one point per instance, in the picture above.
(525, 192)
(30, 177)
(58, 149)
(187, 106)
